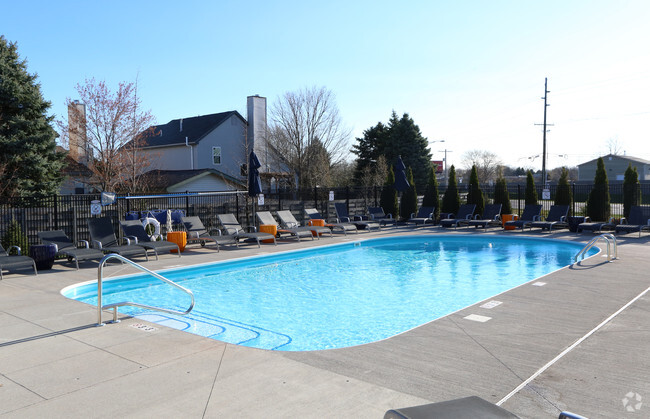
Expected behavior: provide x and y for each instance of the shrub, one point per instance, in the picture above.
(431, 195)
(531, 191)
(598, 202)
(501, 195)
(14, 236)
(451, 198)
(475, 194)
(563, 195)
(388, 199)
(409, 197)
(631, 190)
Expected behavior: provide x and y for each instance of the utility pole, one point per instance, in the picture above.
(546, 92)
(446, 151)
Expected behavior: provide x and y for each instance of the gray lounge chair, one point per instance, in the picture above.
(491, 217)
(133, 229)
(465, 213)
(232, 227)
(342, 216)
(197, 233)
(313, 214)
(638, 220)
(103, 238)
(66, 247)
(556, 218)
(425, 215)
(531, 214)
(378, 214)
(266, 218)
(597, 227)
(289, 221)
(15, 261)
(467, 407)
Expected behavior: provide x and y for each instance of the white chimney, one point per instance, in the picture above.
(258, 130)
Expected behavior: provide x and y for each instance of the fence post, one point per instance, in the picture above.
(128, 203)
(518, 200)
(347, 198)
(187, 203)
(315, 197)
(573, 200)
(56, 212)
(237, 205)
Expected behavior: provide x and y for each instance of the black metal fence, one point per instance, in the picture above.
(70, 212)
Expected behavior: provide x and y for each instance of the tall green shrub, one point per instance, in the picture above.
(431, 195)
(501, 195)
(563, 194)
(388, 199)
(475, 194)
(451, 198)
(531, 191)
(598, 202)
(409, 197)
(631, 190)
(14, 236)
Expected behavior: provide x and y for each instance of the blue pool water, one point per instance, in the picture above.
(338, 295)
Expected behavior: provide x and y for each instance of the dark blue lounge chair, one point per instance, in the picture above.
(133, 229)
(425, 215)
(14, 262)
(65, 247)
(465, 213)
(638, 220)
(491, 217)
(342, 216)
(378, 214)
(531, 214)
(556, 218)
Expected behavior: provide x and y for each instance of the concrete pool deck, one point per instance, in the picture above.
(54, 362)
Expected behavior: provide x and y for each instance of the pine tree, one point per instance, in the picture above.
(431, 195)
(475, 194)
(563, 194)
(598, 201)
(409, 197)
(30, 167)
(531, 191)
(388, 199)
(631, 190)
(451, 198)
(14, 236)
(501, 195)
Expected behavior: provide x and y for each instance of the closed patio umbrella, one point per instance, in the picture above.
(254, 182)
(401, 182)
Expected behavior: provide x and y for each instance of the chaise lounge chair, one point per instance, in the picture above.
(197, 233)
(556, 218)
(12, 262)
(266, 218)
(465, 213)
(596, 227)
(232, 227)
(491, 217)
(133, 229)
(425, 215)
(65, 247)
(638, 220)
(289, 221)
(103, 238)
(313, 214)
(342, 216)
(531, 214)
(378, 214)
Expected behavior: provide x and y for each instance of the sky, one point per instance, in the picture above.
(470, 73)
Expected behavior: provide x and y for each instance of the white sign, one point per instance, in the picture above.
(546, 194)
(260, 199)
(95, 208)
(331, 195)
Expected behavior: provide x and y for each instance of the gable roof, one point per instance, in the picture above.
(630, 158)
(195, 128)
(160, 180)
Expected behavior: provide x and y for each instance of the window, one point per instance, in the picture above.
(216, 155)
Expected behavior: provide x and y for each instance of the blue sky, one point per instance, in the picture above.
(469, 72)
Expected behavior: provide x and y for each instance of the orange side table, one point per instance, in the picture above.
(509, 217)
(269, 228)
(316, 222)
(178, 237)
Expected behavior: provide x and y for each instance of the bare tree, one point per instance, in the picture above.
(486, 162)
(302, 121)
(113, 128)
(614, 147)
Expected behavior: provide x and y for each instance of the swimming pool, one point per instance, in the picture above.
(337, 295)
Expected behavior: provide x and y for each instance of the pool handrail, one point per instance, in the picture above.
(592, 242)
(114, 306)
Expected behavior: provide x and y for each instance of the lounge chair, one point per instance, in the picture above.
(465, 213)
(197, 233)
(266, 218)
(313, 214)
(531, 214)
(103, 238)
(342, 216)
(638, 220)
(66, 247)
(12, 262)
(491, 217)
(425, 215)
(232, 227)
(467, 407)
(289, 221)
(556, 218)
(597, 227)
(378, 214)
(133, 229)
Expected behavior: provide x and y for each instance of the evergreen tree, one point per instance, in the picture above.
(388, 199)
(501, 195)
(451, 198)
(431, 195)
(30, 167)
(475, 194)
(598, 201)
(631, 190)
(563, 194)
(368, 149)
(14, 236)
(531, 191)
(409, 197)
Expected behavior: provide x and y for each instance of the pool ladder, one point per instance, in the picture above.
(608, 238)
(114, 306)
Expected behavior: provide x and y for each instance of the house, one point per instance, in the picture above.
(198, 180)
(615, 166)
(76, 176)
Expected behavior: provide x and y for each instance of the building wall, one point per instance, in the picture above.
(615, 166)
(208, 183)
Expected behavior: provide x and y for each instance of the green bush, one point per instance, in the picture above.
(409, 197)
(475, 194)
(631, 190)
(531, 191)
(388, 199)
(598, 203)
(14, 236)
(563, 195)
(451, 198)
(501, 195)
(431, 195)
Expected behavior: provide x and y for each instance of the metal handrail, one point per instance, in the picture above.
(592, 242)
(114, 306)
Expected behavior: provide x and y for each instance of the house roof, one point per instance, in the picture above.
(630, 158)
(160, 180)
(72, 167)
(194, 128)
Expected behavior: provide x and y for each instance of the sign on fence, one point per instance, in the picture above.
(331, 195)
(95, 207)
(260, 199)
